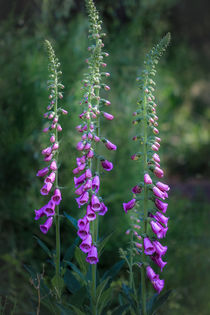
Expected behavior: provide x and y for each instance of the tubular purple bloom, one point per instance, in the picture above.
(161, 218)
(129, 205)
(79, 180)
(156, 157)
(56, 198)
(79, 191)
(95, 203)
(103, 210)
(90, 214)
(108, 116)
(159, 248)
(148, 246)
(83, 199)
(80, 146)
(158, 285)
(50, 178)
(42, 172)
(96, 183)
(47, 151)
(162, 186)
(85, 246)
(136, 189)
(108, 166)
(46, 226)
(110, 146)
(82, 223)
(157, 192)
(53, 166)
(39, 213)
(158, 172)
(147, 179)
(88, 173)
(158, 229)
(46, 189)
(84, 231)
(88, 184)
(161, 205)
(158, 260)
(50, 209)
(151, 274)
(92, 257)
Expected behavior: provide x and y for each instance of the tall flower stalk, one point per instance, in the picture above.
(50, 172)
(147, 195)
(88, 183)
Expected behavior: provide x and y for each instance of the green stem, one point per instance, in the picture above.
(143, 271)
(57, 212)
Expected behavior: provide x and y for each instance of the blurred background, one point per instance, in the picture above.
(183, 95)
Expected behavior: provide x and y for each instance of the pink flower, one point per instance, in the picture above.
(156, 157)
(103, 210)
(158, 229)
(95, 203)
(83, 199)
(85, 246)
(108, 116)
(92, 257)
(158, 260)
(50, 209)
(129, 205)
(161, 205)
(84, 231)
(161, 218)
(53, 166)
(42, 172)
(110, 146)
(158, 172)
(46, 189)
(90, 214)
(52, 139)
(157, 192)
(50, 178)
(147, 179)
(108, 166)
(159, 248)
(47, 225)
(56, 198)
(96, 183)
(39, 213)
(80, 146)
(148, 246)
(136, 189)
(162, 186)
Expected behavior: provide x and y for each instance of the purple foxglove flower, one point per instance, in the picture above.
(156, 131)
(110, 146)
(53, 166)
(81, 160)
(147, 179)
(161, 218)
(50, 178)
(106, 87)
(90, 214)
(148, 247)
(158, 139)
(90, 136)
(56, 198)
(55, 146)
(45, 189)
(59, 128)
(48, 158)
(81, 167)
(158, 229)
(92, 257)
(88, 173)
(136, 189)
(53, 126)
(79, 191)
(55, 120)
(129, 205)
(50, 209)
(156, 157)
(47, 151)
(155, 148)
(103, 210)
(157, 144)
(96, 139)
(138, 245)
(76, 171)
(39, 213)
(47, 225)
(79, 128)
(64, 112)
(88, 184)
(162, 186)
(96, 183)
(95, 203)
(90, 154)
(80, 146)
(108, 116)
(158, 260)
(86, 244)
(87, 146)
(158, 285)
(83, 232)
(157, 192)
(42, 172)
(82, 223)
(45, 129)
(158, 172)
(151, 274)
(83, 199)
(159, 248)
(108, 166)
(157, 164)
(79, 180)
(161, 205)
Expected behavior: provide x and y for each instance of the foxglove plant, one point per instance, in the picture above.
(51, 209)
(144, 221)
(88, 183)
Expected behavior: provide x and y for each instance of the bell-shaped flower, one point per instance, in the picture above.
(147, 179)
(86, 244)
(148, 247)
(107, 165)
(92, 257)
(161, 205)
(42, 172)
(103, 210)
(95, 203)
(50, 209)
(129, 205)
(90, 214)
(47, 225)
(159, 248)
(56, 198)
(96, 183)
(83, 231)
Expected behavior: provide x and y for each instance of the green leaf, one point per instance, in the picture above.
(58, 284)
(77, 310)
(100, 288)
(79, 296)
(160, 301)
(103, 243)
(64, 310)
(114, 270)
(70, 251)
(71, 282)
(75, 269)
(43, 246)
(151, 302)
(81, 260)
(71, 219)
(120, 309)
(105, 298)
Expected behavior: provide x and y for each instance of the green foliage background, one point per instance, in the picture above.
(183, 96)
